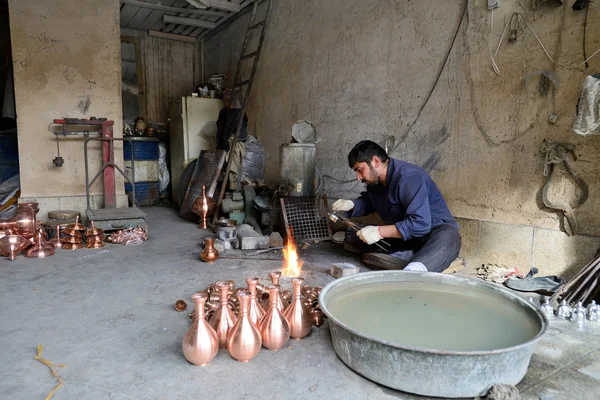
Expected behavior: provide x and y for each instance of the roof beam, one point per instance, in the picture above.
(223, 20)
(222, 5)
(171, 36)
(189, 21)
(160, 7)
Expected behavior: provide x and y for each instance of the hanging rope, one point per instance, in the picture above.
(51, 366)
(557, 153)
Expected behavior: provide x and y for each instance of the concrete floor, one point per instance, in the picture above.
(108, 315)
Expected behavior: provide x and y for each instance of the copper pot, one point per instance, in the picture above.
(274, 328)
(244, 340)
(180, 305)
(13, 245)
(317, 317)
(209, 254)
(287, 295)
(306, 290)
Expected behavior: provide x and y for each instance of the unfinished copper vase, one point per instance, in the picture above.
(23, 223)
(297, 315)
(72, 246)
(204, 206)
(256, 312)
(274, 328)
(40, 249)
(56, 239)
(75, 228)
(223, 319)
(244, 341)
(209, 254)
(33, 204)
(200, 343)
(13, 245)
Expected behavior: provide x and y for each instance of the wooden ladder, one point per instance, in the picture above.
(239, 83)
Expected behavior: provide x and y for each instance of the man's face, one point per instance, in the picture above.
(366, 173)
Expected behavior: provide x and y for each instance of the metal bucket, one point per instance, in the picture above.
(423, 370)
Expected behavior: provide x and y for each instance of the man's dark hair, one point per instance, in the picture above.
(364, 151)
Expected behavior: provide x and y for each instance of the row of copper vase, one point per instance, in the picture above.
(23, 233)
(241, 321)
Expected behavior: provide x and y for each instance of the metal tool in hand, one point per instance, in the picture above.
(334, 217)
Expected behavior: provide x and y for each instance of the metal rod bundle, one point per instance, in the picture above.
(583, 287)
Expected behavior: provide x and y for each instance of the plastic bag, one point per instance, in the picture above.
(588, 108)
(163, 170)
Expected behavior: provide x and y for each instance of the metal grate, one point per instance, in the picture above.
(207, 171)
(304, 217)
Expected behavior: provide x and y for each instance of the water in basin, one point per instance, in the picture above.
(434, 316)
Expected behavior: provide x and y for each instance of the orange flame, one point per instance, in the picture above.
(292, 265)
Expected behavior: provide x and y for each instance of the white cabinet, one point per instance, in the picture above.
(193, 127)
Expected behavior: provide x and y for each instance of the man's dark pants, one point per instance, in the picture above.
(436, 250)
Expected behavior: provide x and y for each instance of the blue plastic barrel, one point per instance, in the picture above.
(144, 157)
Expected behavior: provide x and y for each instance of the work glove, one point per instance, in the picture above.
(369, 234)
(342, 205)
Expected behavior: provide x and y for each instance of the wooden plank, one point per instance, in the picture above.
(127, 13)
(189, 21)
(224, 19)
(172, 36)
(139, 18)
(155, 16)
(170, 9)
(223, 5)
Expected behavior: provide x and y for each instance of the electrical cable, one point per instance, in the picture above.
(437, 79)
(584, 31)
(495, 66)
(478, 120)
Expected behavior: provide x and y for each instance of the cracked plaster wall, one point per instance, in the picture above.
(362, 70)
(66, 59)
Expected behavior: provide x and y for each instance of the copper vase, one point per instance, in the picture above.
(13, 245)
(244, 341)
(209, 254)
(255, 312)
(223, 319)
(200, 343)
(274, 328)
(281, 302)
(297, 314)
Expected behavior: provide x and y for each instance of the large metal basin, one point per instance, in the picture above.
(445, 366)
